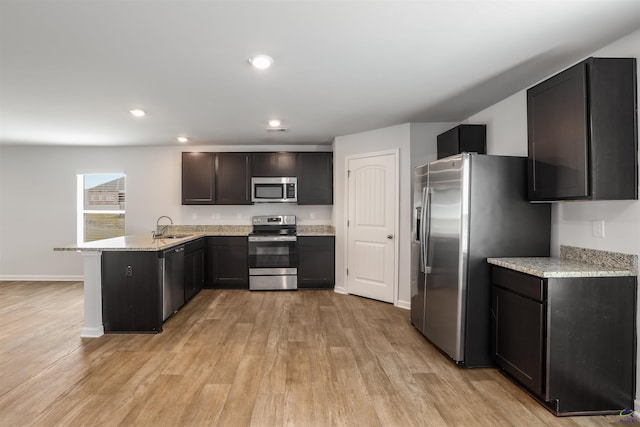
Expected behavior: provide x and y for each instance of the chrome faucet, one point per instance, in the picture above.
(161, 230)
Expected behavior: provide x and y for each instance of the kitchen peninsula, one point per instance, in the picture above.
(146, 247)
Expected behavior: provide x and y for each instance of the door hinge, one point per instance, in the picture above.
(348, 173)
(347, 271)
(347, 223)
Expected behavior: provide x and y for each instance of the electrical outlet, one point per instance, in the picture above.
(129, 271)
(597, 228)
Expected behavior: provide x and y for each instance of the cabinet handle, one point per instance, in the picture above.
(248, 180)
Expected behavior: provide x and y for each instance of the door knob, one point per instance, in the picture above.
(389, 236)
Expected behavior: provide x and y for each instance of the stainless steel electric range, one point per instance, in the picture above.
(273, 253)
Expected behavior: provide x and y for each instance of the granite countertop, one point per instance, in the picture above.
(316, 230)
(135, 242)
(573, 262)
(146, 242)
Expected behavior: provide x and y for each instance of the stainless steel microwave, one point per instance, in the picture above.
(274, 190)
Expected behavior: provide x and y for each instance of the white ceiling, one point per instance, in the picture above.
(71, 70)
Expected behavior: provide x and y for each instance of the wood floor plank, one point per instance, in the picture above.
(240, 358)
(240, 402)
(268, 410)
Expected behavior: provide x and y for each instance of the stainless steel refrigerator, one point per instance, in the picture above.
(467, 208)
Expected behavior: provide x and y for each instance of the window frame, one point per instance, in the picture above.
(81, 211)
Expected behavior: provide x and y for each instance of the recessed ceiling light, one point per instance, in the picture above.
(261, 62)
(182, 139)
(274, 123)
(137, 112)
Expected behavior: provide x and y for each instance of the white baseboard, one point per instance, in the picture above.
(340, 290)
(91, 332)
(403, 304)
(41, 278)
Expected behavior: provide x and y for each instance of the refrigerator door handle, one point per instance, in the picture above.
(425, 223)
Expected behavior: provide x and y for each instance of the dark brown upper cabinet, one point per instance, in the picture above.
(315, 178)
(225, 178)
(274, 164)
(233, 179)
(582, 133)
(462, 139)
(198, 178)
(216, 178)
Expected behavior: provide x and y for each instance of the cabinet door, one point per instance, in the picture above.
(558, 136)
(274, 164)
(518, 337)
(315, 178)
(462, 139)
(198, 178)
(316, 262)
(228, 266)
(233, 178)
(131, 295)
(193, 273)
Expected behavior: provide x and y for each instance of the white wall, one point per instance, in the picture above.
(507, 134)
(38, 201)
(416, 144)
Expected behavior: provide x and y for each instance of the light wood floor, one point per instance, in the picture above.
(236, 358)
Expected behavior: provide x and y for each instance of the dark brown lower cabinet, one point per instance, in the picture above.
(571, 341)
(227, 262)
(131, 292)
(519, 344)
(194, 267)
(316, 262)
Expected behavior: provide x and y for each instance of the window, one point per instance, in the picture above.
(101, 202)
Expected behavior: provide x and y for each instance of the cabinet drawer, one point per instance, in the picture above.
(316, 241)
(520, 283)
(227, 240)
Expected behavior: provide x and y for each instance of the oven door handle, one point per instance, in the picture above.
(272, 238)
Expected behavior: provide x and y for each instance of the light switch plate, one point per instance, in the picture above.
(597, 228)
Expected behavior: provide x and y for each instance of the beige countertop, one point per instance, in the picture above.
(557, 267)
(316, 230)
(135, 242)
(573, 262)
(146, 242)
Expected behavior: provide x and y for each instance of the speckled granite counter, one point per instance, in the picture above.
(146, 242)
(211, 230)
(135, 242)
(316, 230)
(573, 262)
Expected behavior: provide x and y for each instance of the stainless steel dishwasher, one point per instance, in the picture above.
(172, 274)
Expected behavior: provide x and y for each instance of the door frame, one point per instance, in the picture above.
(396, 223)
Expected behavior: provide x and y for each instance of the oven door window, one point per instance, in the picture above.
(272, 255)
(269, 191)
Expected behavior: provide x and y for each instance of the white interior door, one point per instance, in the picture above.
(371, 240)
